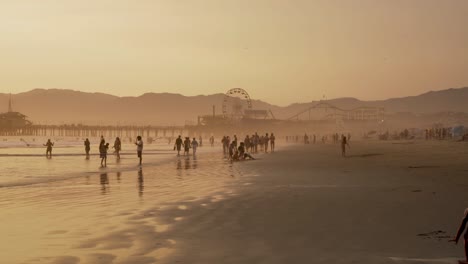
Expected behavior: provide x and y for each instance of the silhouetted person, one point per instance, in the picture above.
(225, 144)
(212, 141)
(103, 147)
(186, 146)
(272, 142)
(194, 145)
(460, 231)
(49, 146)
(201, 141)
(232, 150)
(344, 143)
(241, 152)
(266, 139)
(178, 145)
(139, 144)
(117, 146)
(87, 145)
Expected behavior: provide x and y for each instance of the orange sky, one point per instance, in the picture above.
(280, 51)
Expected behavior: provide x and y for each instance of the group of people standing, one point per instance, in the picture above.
(253, 143)
(187, 145)
(104, 148)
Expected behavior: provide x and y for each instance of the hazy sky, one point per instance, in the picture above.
(279, 51)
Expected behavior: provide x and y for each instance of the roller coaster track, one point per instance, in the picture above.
(339, 111)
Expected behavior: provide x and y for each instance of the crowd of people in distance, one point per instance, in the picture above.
(334, 138)
(254, 143)
(438, 133)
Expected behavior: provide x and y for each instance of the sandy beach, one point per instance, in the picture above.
(387, 202)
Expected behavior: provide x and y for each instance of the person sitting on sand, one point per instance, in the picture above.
(87, 145)
(178, 145)
(139, 144)
(344, 143)
(242, 154)
(103, 153)
(187, 146)
(49, 146)
(194, 145)
(460, 231)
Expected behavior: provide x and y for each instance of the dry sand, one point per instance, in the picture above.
(385, 203)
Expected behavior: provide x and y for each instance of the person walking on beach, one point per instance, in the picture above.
(212, 141)
(201, 141)
(194, 145)
(232, 150)
(272, 142)
(187, 146)
(117, 147)
(87, 145)
(49, 146)
(344, 143)
(266, 138)
(460, 231)
(178, 145)
(103, 147)
(139, 144)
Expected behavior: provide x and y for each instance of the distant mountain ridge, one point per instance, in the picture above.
(60, 106)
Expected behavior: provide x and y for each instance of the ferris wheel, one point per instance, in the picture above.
(235, 101)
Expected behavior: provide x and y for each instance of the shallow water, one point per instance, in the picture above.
(70, 210)
(23, 165)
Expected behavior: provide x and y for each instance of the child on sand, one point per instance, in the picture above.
(139, 144)
(460, 231)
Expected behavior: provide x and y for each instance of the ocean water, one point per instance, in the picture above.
(23, 161)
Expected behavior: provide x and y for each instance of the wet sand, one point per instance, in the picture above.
(387, 202)
(384, 203)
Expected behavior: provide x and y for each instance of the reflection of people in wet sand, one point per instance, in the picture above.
(186, 146)
(344, 143)
(139, 144)
(194, 145)
(178, 145)
(87, 145)
(49, 146)
(117, 147)
(103, 147)
(141, 185)
(104, 180)
(460, 231)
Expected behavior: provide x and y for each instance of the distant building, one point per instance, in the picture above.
(11, 119)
